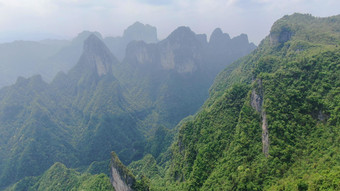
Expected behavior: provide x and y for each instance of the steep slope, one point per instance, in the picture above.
(272, 119)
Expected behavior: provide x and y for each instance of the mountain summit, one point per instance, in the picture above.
(139, 31)
(96, 59)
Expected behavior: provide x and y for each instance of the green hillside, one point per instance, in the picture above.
(272, 121)
(59, 177)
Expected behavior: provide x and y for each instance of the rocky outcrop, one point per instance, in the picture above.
(265, 134)
(257, 103)
(280, 35)
(140, 53)
(121, 178)
(141, 32)
(181, 51)
(186, 52)
(98, 54)
(135, 32)
(95, 62)
(322, 116)
(257, 99)
(222, 50)
(177, 71)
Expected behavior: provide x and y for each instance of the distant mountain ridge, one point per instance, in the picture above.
(102, 104)
(135, 32)
(48, 57)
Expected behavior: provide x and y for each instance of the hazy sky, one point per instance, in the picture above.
(36, 19)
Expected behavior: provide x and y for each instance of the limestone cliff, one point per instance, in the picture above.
(257, 103)
(121, 178)
(98, 56)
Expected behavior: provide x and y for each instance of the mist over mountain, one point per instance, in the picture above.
(48, 57)
(169, 79)
(182, 113)
(102, 104)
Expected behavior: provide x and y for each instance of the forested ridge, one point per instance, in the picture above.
(272, 121)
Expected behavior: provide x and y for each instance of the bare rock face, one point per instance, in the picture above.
(265, 135)
(257, 97)
(281, 35)
(167, 57)
(257, 104)
(95, 62)
(99, 55)
(140, 53)
(121, 178)
(181, 51)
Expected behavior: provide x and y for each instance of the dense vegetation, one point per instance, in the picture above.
(58, 177)
(103, 104)
(272, 121)
(289, 86)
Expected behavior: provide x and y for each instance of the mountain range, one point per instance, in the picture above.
(105, 104)
(271, 122)
(48, 57)
(183, 113)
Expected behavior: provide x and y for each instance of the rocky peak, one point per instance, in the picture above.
(181, 51)
(81, 37)
(93, 43)
(240, 42)
(202, 38)
(97, 56)
(182, 35)
(218, 37)
(241, 39)
(139, 31)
